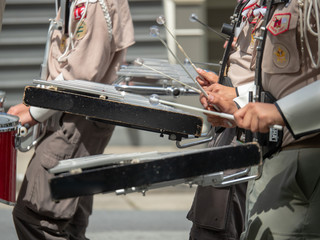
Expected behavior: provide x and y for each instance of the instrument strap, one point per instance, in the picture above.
(272, 141)
(234, 22)
(64, 5)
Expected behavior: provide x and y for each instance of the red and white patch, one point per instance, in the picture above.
(279, 23)
(79, 11)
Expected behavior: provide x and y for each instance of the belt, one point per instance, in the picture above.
(313, 142)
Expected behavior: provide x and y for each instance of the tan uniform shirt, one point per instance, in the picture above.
(96, 62)
(93, 58)
(240, 60)
(284, 68)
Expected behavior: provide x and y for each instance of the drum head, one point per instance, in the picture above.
(8, 121)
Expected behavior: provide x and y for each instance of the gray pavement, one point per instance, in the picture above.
(161, 214)
(120, 225)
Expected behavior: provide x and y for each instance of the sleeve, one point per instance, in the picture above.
(301, 110)
(41, 114)
(243, 94)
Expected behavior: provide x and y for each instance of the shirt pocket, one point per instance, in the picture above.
(281, 54)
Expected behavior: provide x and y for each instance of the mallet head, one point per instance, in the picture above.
(193, 17)
(138, 62)
(161, 20)
(154, 31)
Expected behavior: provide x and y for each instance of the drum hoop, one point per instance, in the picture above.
(11, 125)
(8, 129)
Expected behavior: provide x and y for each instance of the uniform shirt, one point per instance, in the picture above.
(239, 69)
(93, 57)
(284, 69)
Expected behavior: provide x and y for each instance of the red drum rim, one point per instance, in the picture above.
(8, 122)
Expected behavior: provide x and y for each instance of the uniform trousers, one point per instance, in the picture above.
(35, 215)
(285, 202)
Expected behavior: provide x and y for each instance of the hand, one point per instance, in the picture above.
(258, 117)
(233, 45)
(227, 93)
(225, 105)
(22, 111)
(206, 78)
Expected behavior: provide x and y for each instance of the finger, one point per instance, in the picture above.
(10, 111)
(263, 127)
(212, 100)
(239, 116)
(204, 102)
(202, 82)
(254, 125)
(225, 44)
(215, 121)
(209, 76)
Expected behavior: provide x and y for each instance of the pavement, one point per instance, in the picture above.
(160, 214)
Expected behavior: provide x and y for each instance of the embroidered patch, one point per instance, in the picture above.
(82, 30)
(281, 56)
(279, 23)
(79, 11)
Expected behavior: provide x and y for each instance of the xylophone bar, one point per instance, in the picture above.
(134, 113)
(163, 167)
(156, 76)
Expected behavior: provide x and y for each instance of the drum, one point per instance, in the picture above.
(8, 130)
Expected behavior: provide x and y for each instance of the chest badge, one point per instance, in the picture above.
(279, 23)
(81, 31)
(281, 56)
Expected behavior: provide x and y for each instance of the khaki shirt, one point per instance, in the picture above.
(94, 57)
(284, 68)
(240, 61)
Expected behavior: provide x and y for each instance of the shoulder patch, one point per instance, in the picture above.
(79, 11)
(279, 23)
